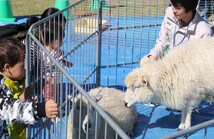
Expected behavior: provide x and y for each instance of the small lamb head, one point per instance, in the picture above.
(89, 120)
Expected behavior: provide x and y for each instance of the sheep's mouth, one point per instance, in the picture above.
(87, 128)
(128, 105)
(151, 104)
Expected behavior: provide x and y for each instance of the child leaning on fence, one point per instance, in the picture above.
(52, 35)
(13, 95)
(48, 39)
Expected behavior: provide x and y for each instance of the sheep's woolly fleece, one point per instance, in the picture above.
(180, 80)
(112, 102)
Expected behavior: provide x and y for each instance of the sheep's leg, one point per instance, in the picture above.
(130, 133)
(69, 126)
(183, 119)
(85, 123)
(188, 119)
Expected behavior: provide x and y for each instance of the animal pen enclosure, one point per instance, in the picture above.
(104, 40)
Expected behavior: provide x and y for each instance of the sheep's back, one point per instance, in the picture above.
(194, 61)
(185, 72)
(113, 104)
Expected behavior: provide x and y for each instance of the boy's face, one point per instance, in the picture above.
(17, 72)
(180, 13)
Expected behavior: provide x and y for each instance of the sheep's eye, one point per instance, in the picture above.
(144, 82)
(138, 86)
(77, 107)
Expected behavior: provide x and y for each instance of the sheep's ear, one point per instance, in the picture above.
(98, 97)
(76, 98)
(70, 97)
(97, 94)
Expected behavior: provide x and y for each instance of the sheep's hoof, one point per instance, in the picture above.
(130, 133)
(179, 129)
(186, 136)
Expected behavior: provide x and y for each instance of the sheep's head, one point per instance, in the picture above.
(138, 88)
(79, 110)
(88, 124)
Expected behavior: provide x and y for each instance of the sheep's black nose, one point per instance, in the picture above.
(88, 126)
(125, 103)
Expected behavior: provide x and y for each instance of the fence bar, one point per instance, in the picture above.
(190, 130)
(98, 64)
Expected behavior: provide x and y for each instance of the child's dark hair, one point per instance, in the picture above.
(52, 31)
(12, 51)
(60, 18)
(189, 5)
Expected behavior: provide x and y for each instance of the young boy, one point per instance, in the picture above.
(13, 95)
(181, 23)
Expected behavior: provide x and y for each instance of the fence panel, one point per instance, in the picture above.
(104, 44)
(52, 78)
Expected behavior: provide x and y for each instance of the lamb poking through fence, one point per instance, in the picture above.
(112, 102)
(180, 80)
(74, 124)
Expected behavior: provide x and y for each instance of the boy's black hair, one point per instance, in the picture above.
(189, 5)
(11, 51)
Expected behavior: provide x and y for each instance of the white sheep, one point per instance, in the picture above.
(112, 102)
(180, 80)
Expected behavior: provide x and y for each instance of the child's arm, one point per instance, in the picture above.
(15, 110)
(64, 62)
(67, 63)
(27, 94)
(50, 108)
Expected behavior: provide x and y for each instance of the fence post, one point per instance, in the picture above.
(6, 14)
(98, 62)
(62, 4)
(94, 5)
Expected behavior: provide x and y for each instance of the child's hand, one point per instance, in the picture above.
(51, 109)
(28, 93)
(67, 63)
(50, 80)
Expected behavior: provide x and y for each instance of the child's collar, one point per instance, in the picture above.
(15, 87)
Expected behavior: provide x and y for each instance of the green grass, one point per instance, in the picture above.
(30, 7)
(133, 7)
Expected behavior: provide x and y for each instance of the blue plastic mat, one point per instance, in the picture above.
(155, 123)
